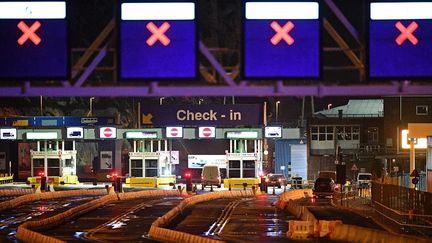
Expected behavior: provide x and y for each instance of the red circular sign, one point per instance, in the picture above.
(174, 132)
(207, 132)
(107, 132)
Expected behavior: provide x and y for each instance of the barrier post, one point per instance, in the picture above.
(244, 186)
(43, 183)
(274, 189)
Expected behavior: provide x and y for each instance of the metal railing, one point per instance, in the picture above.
(407, 208)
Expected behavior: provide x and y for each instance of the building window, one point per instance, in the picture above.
(348, 133)
(322, 133)
(340, 133)
(372, 134)
(356, 133)
(421, 110)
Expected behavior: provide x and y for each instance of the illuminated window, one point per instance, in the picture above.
(421, 110)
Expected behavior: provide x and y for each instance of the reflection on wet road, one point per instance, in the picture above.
(10, 219)
(120, 221)
(236, 220)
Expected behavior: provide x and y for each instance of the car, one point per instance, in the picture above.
(323, 187)
(364, 180)
(211, 176)
(276, 180)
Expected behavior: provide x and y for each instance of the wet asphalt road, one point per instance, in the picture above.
(120, 221)
(10, 219)
(243, 220)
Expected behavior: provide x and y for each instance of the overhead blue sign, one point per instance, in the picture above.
(281, 40)
(400, 38)
(158, 40)
(34, 40)
(198, 115)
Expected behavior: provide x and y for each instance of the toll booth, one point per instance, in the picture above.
(50, 158)
(150, 161)
(244, 157)
(242, 163)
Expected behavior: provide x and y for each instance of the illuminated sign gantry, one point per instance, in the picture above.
(158, 40)
(281, 40)
(400, 37)
(34, 43)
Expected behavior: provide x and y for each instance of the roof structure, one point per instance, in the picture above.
(356, 108)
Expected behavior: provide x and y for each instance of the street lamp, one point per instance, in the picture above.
(161, 100)
(277, 110)
(199, 101)
(91, 106)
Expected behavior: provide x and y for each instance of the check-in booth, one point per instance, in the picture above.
(244, 157)
(50, 158)
(149, 162)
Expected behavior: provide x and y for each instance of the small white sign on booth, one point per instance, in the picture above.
(8, 133)
(174, 132)
(273, 132)
(75, 132)
(106, 161)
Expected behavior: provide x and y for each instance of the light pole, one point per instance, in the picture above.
(199, 101)
(277, 110)
(91, 106)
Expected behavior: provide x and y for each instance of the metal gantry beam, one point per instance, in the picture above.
(278, 89)
(230, 87)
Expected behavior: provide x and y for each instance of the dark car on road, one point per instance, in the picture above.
(323, 187)
(276, 180)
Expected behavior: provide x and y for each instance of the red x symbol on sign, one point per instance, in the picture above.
(406, 33)
(29, 33)
(158, 34)
(282, 33)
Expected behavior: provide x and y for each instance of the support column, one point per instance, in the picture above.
(412, 158)
(429, 167)
(61, 163)
(45, 158)
(169, 159)
(241, 166)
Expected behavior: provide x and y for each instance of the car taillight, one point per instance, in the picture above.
(41, 173)
(219, 177)
(280, 180)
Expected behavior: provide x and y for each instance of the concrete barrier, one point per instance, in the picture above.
(15, 192)
(238, 182)
(24, 230)
(334, 229)
(167, 235)
(142, 181)
(300, 229)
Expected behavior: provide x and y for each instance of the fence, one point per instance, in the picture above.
(406, 181)
(404, 206)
